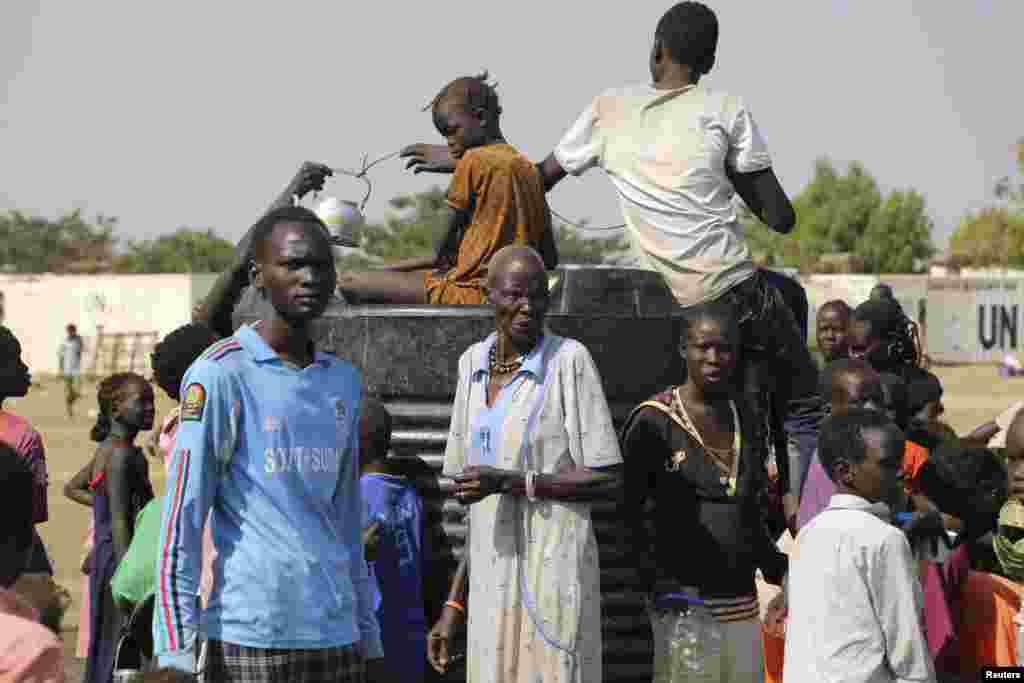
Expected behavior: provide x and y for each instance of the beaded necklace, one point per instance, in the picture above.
(498, 368)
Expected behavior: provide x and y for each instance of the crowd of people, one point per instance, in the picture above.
(288, 546)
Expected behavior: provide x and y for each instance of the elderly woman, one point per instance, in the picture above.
(696, 453)
(531, 444)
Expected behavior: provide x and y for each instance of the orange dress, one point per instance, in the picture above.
(988, 635)
(505, 194)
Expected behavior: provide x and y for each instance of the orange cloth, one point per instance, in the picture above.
(774, 651)
(505, 194)
(988, 636)
(914, 455)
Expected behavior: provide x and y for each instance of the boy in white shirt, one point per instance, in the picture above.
(858, 612)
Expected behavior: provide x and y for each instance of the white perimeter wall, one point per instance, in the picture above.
(37, 308)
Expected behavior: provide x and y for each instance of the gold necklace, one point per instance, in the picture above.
(728, 470)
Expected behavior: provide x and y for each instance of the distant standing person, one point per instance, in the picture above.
(69, 360)
(116, 485)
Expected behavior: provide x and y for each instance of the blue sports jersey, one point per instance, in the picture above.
(398, 567)
(272, 449)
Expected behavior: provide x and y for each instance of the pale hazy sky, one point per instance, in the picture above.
(196, 112)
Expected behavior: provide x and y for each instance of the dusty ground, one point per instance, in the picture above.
(974, 394)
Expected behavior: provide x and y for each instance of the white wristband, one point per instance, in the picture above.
(531, 485)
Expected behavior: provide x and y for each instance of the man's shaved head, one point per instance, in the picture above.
(509, 257)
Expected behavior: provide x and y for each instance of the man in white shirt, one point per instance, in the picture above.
(857, 614)
(69, 361)
(677, 154)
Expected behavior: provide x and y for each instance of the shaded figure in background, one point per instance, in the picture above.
(233, 292)
(677, 153)
(895, 404)
(118, 488)
(793, 437)
(170, 360)
(69, 363)
(695, 452)
(856, 614)
(399, 555)
(881, 292)
(531, 445)
(15, 382)
(926, 409)
(833, 330)
(497, 199)
(28, 650)
(845, 384)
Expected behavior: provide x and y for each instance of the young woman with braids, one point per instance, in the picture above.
(118, 487)
(882, 335)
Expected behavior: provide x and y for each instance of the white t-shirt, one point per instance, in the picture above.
(665, 151)
(856, 609)
(71, 356)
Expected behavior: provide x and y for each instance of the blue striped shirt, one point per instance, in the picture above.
(272, 450)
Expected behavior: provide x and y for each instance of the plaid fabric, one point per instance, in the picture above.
(231, 663)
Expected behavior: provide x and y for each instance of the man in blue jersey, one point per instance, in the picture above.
(268, 441)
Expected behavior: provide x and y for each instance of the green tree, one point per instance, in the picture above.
(576, 249)
(417, 222)
(845, 213)
(183, 251)
(994, 236)
(70, 244)
(987, 238)
(898, 236)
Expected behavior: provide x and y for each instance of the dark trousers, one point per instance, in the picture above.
(777, 367)
(798, 435)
